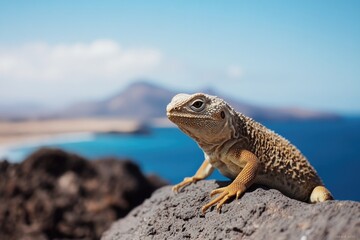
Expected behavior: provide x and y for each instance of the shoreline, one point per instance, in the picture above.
(34, 141)
(17, 132)
(30, 133)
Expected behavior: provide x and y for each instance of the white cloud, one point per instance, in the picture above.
(64, 73)
(103, 59)
(234, 72)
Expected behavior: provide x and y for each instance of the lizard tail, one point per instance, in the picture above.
(320, 194)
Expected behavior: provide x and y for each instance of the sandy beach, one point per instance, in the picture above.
(15, 132)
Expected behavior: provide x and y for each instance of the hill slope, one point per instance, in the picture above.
(140, 100)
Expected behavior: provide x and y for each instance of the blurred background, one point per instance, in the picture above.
(94, 77)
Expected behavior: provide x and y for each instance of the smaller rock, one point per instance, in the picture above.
(53, 194)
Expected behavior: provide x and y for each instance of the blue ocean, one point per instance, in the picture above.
(332, 147)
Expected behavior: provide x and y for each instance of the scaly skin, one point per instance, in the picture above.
(243, 150)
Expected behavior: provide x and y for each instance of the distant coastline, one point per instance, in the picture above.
(15, 132)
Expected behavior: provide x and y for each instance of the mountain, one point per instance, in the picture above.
(140, 100)
(143, 101)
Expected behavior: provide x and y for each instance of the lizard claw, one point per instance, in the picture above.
(175, 188)
(185, 182)
(225, 194)
(216, 191)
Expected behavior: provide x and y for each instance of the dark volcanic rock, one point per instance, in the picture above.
(55, 195)
(259, 214)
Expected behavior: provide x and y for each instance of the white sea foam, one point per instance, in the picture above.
(15, 153)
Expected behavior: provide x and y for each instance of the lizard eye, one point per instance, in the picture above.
(198, 105)
(222, 114)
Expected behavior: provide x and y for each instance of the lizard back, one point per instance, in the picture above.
(283, 166)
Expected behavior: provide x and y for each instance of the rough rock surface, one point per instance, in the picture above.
(259, 214)
(56, 195)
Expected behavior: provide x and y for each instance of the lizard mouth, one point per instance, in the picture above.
(179, 115)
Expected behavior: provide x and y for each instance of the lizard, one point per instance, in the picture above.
(243, 150)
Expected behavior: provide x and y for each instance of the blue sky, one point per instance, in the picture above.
(274, 53)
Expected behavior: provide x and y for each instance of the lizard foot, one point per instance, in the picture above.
(234, 189)
(185, 182)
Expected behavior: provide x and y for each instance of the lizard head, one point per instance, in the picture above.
(204, 117)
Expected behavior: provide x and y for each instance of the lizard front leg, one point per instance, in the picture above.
(240, 184)
(203, 172)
